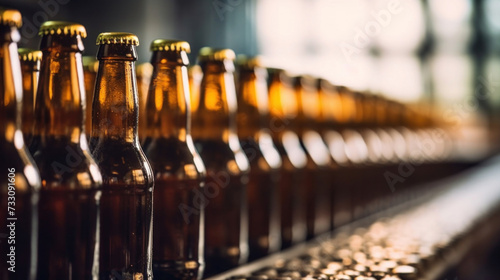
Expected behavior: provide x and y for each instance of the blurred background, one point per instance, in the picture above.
(440, 55)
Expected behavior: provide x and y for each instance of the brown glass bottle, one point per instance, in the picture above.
(127, 197)
(30, 67)
(283, 109)
(71, 181)
(216, 139)
(179, 172)
(319, 166)
(19, 181)
(265, 161)
(90, 66)
(332, 124)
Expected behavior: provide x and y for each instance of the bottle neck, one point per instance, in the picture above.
(253, 107)
(167, 108)
(216, 114)
(60, 98)
(10, 84)
(114, 109)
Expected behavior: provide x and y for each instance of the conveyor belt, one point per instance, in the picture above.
(419, 239)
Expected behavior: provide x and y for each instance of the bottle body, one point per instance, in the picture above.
(127, 198)
(226, 214)
(178, 216)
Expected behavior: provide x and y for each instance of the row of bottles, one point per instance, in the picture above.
(182, 172)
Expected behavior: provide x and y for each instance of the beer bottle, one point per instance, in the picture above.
(319, 182)
(30, 67)
(90, 65)
(71, 181)
(19, 181)
(144, 72)
(179, 171)
(127, 197)
(332, 124)
(216, 139)
(265, 161)
(283, 109)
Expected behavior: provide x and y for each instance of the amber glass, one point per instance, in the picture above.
(292, 190)
(216, 139)
(30, 67)
(144, 73)
(265, 161)
(19, 181)
(71, 182)
(127, 197)
(178, 169)
(90, 65)
(319, 166)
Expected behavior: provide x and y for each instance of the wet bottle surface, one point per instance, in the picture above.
(127, 197)
(19, 181)
(71, 181)
(178, 216)
(30, 67)
(282, 104)
(215, 137)
(265, 161)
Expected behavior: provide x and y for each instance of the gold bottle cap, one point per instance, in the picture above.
(207, 53)
(11, 17)
(62, 28)
(117, 38)
(29, 54)
(170, 45)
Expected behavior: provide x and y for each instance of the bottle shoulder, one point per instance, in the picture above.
(67, 165)
(220, 155)
(171, 157)
(122, 163)
(261, 151)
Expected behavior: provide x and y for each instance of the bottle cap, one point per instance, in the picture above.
(207, 53)
(62, 28)
(29, 54)
(117, 38)
(170, 45)
(11, 17)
